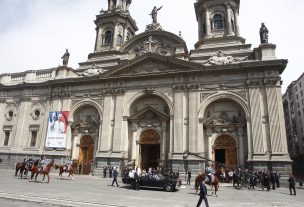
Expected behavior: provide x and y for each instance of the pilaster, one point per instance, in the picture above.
(207, 19)
(228, 19)
(178, 122)
(119, 141)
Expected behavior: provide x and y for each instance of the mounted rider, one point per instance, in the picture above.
(42, 164)
(26, 159)
(209, 172)
(67, 165)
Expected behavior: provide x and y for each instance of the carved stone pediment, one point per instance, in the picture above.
(87, 124)
(221, 59)
(151, 64)
(217, 122)
(148, 113)
(91, 71)
(151, 46)
(149, 117)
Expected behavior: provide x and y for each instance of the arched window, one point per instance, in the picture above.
(218, 21)
(108, 38)
(119, 40)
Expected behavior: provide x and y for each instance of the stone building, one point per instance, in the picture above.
(293, 104)
(146, 100)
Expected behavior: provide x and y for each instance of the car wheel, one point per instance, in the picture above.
(168, 188)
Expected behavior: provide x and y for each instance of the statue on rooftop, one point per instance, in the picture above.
(65, 58)
(154, 14)
(264, 34)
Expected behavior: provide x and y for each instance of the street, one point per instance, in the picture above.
(96, 191)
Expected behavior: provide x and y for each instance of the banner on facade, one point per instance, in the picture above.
(57, 128)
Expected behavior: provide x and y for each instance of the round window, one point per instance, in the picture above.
(10, 114)
(37, 113)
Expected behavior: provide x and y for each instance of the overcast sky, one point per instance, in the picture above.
(35, 33)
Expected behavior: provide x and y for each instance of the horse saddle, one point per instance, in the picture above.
(207, 179)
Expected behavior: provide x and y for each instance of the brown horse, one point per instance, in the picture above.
(23, 167)
(69, 170)
(203, 177)
(0, 161)
(45, 171)
(20, 166)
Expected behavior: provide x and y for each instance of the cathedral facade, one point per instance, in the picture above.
(146, 100)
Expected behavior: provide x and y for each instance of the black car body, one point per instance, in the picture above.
(157, 181)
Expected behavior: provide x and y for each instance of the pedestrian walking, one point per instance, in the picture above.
(105, 169)
(277, 178)
(136, 187)
(110, 171)
(203, 195)
(115, 174)
(188, 177)
(292, 183)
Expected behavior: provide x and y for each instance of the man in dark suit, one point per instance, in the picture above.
(203, 195)
(115, 174)
(188, 177)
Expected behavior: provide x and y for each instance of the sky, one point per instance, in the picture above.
(35, 33)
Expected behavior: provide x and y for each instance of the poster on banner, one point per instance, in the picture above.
(57, 128)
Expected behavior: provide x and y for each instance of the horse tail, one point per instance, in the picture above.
(17, 169)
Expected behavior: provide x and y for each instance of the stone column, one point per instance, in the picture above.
(134, 146)
(125, 34)
(193, 121)
(98, 38)
(228, 19)
(138, 157)
(125, 134)
(210, 148)
(163, 141)
(241, 145)
(186, 121)
(171, 135)
(200, 139)
(115, 33)
(207, 19)
(249, 137)
(178, 122)
(200, 25)
(112, 122)
(236, 22)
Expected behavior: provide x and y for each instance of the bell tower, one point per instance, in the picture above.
(217, 18)
(114, 26)
(218, 30)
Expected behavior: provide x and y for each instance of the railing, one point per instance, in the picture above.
(43, 75)
(17, 78)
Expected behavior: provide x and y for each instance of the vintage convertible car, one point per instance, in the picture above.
(157, 181)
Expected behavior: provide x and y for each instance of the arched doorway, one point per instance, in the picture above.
(225, 151)
(86, 152)
(149, 149)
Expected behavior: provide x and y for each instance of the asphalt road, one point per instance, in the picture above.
(95, 191)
